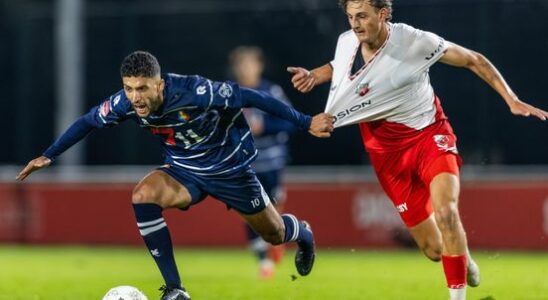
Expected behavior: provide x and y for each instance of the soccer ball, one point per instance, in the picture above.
(124, 292)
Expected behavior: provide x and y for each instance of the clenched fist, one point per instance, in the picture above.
(322, 125)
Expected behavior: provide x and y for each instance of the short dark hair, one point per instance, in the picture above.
(377, 4)
(140, 64)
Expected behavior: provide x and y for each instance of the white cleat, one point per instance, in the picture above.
(472, 273)
(266, 269)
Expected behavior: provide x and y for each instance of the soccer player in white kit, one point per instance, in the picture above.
(379, 80)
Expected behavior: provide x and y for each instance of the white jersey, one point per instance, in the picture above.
(393, 85)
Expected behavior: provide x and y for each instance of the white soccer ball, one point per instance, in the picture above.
(124, 292)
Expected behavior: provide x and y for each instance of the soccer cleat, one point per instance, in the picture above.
(174, 293)
(266, 269)
(304, 258)
(472, 273)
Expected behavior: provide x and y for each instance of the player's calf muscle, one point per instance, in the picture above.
(428, 238)
(431, 246)
(274, 236)
(432, 250)
(268, 224)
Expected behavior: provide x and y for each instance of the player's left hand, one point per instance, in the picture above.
(322, 125)
(520, 108)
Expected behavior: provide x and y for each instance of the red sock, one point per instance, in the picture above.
(455, 271)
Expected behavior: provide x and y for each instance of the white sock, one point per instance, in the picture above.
(457, 294)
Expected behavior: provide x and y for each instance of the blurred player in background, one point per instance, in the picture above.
(379, 79)
(208, 149)
(271, 135)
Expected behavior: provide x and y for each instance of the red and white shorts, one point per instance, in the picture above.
(405, 175)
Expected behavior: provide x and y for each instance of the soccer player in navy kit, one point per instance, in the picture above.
(271, 135)
(208, 149)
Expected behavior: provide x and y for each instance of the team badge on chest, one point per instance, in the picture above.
(362, 89)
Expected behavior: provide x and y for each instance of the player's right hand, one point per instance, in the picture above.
(322, 125)
(33, 165)
(303, 80)
(520, 108)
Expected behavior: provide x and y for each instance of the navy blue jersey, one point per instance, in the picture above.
(200, 123)
(272, 142)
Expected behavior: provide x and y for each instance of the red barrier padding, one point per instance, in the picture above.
(495, 214)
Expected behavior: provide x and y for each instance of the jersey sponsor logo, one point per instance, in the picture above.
(201, 90)
(362, 89)
(438, 49)
(371, 209)
(402, 207)
(347, 112)
(444, 143)
(225, 90)
(104, 109)
(116, 100)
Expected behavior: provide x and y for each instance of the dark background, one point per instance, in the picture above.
(195, 37)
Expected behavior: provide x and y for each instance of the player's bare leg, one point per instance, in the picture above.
(159, 188)
(267, 254)
(276, 252)
(428, 237)
(473, 272)
(155, 192)
(277, 229)
(444, 191)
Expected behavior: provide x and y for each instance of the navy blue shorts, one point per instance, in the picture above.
(239, 190)
(271, 181)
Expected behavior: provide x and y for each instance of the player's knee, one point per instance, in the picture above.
(144, 194)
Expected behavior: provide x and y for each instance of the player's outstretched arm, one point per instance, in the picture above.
(76, 132)
(459, 56)
(321, 125)
(304, 80)
(35, 164)
(275, 107)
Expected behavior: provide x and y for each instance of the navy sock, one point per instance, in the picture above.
(256, 243)
(154, 231)
(296, 231)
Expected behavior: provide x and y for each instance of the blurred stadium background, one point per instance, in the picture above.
(60, 58)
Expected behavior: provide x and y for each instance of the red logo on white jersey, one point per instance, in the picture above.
(362, 89)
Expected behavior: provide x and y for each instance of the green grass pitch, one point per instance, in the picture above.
(40, 273)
